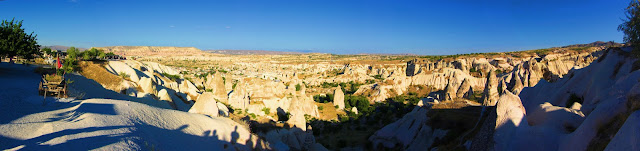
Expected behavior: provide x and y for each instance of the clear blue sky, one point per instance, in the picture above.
(331, 26)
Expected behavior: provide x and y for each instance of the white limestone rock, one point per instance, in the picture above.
(338, 98)
(205, 104)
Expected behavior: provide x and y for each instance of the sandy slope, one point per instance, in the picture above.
(103, 124)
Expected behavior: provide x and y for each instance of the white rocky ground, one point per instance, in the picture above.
(66, 124)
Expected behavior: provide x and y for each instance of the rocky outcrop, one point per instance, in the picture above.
(412, 68)
(215, 83)
(451, 90)
(297, 119)
(239, 98)
(222, 110)
(147, 85)
(510, 115)
(354, 110)
(293, 139)
(543, 115)
(163, 95)
(490, 94)
(465, 90)
(188, 88)
(338, 98)
(410, 132)
(205, 104)
(627, 137)
(517, 85)
(122, 69)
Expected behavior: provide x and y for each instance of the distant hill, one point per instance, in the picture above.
(152, 50)
(63, 48)
(389, 54)
(251, 52)
(596, 44)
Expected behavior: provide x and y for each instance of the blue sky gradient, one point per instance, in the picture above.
(333, 26)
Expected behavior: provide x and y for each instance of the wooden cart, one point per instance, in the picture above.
(53, 86)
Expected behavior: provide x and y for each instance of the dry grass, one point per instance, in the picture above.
(420, 90)
(452, 104)
(97, 72)
(329, 112)
(53, 78)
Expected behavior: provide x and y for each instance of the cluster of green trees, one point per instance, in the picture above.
(323, 99)
(14, 41)
(631, 26)
(360, 102)
(71, 61)
(93, 54)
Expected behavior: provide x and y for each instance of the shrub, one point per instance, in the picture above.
(252, 115)
(298, 87)
(123, 75)
(323, 99)
(370, 81)
(378, 77)
(284, 116)
(360, 102)
(171, 76)
(320, 107)
(307, 117)
(266, 110)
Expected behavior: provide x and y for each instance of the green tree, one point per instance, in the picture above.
(101, 54)
(14, 41)
(46, 50)
(631, 26)
(86, 55)
(72, 59)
